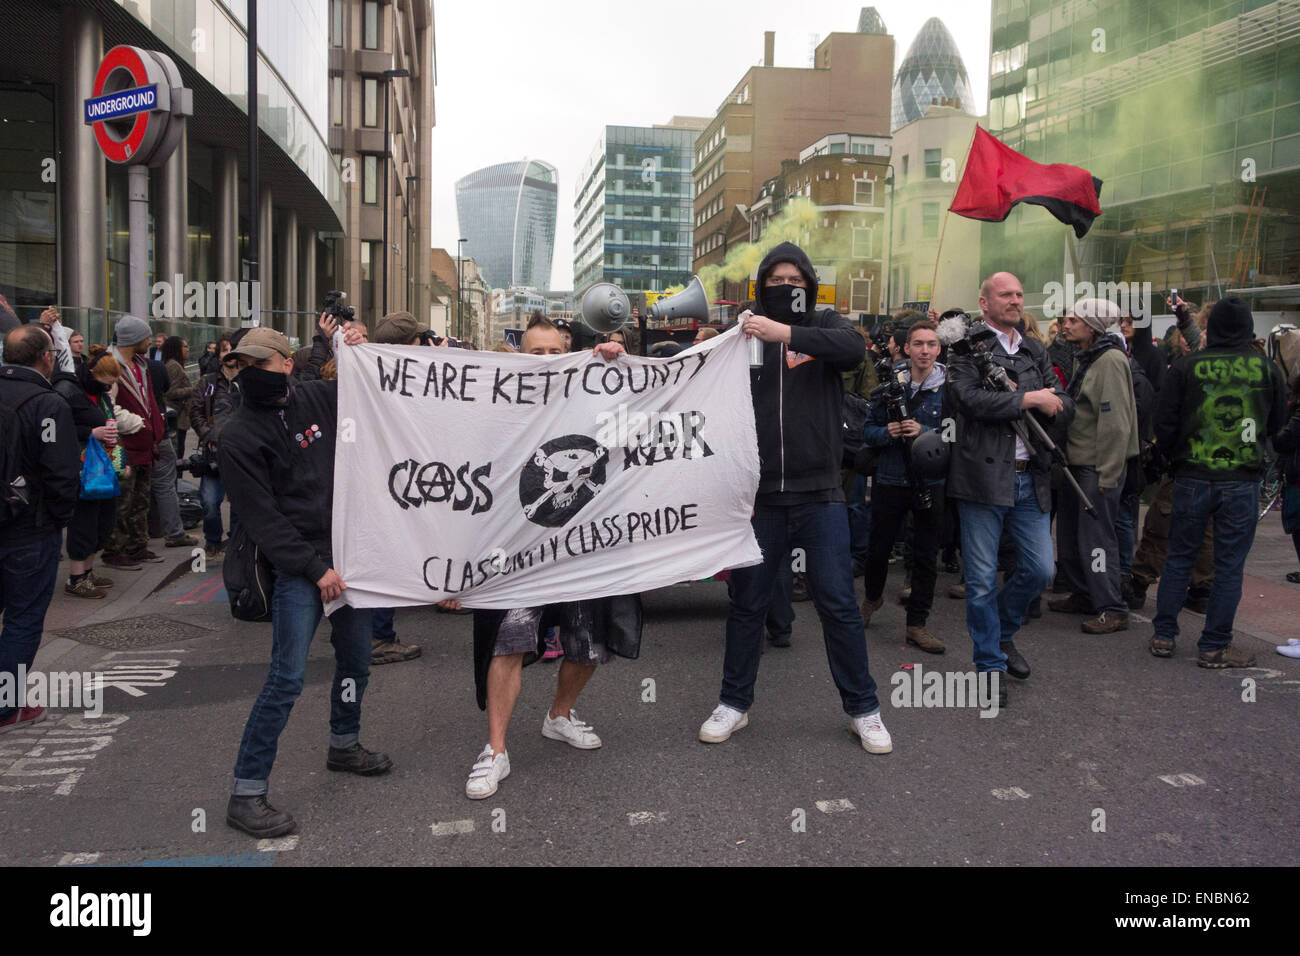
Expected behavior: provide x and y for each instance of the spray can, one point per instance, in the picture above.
(755, 343)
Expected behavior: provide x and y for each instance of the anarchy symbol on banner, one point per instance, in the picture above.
(563, 475)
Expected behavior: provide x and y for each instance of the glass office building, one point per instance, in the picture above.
(507, 212)
(633, 214)
(64, 207)
(1189, 110)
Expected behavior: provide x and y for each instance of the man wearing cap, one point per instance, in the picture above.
(127, 546)
(277, 461)
(1103, 435)
(398, 328)
(1215, 410)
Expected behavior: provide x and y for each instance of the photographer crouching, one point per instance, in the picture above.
(901, 410)
(997, 376)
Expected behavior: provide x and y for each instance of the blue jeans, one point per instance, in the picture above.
(381, 624)
(296, 609)
(859, 520)
(993, 616)
(27, 576)
(1126, 532)
(211, 493)
(780, 616)
(822, 530)
(1232, 505)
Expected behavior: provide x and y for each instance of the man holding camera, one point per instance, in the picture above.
(901, 411)
(995, 478)
(213, 402)
(277, 461)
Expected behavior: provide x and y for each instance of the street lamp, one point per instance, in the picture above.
(460, 321)
(889, 237)
(389, 75)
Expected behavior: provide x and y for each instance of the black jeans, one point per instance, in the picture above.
(1088, 548)
(889, 507)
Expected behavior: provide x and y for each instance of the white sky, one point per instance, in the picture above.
(542, 79)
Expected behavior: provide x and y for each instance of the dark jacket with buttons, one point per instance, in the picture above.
(982, 466)
(50, 456)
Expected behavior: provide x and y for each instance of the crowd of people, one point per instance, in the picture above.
(972, 434)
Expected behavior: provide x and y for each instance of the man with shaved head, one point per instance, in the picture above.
(997, 480)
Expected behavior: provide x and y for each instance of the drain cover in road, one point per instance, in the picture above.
(146, 631)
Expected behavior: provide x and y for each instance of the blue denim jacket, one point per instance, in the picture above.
(926, 407)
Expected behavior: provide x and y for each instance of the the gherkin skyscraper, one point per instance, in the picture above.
(931, 72)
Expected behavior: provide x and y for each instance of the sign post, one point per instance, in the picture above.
(137, 108)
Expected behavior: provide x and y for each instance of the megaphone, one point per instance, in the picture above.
(605, 308)
(690, 303)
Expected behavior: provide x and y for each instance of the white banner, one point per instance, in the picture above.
(503, 480)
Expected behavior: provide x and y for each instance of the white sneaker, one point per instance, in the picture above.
(489, 770)
(875, 738)
(722, 723)
(1290, 649)
(571, 730)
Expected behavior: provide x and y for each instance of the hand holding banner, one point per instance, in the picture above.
(502, 480)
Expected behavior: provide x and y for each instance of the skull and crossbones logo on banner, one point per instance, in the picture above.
(561, 477)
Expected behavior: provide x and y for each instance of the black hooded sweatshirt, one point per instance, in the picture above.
(798, 394)
(1217, 406)
(277, 464)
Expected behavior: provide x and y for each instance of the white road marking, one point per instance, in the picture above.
(78, 859)
(646, 816)
(128, 671)
(278, 844)
(835, 806)
(54, 753)
(452, 826)
(1011, 793)
(1182, 779)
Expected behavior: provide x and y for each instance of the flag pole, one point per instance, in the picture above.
(938, 256)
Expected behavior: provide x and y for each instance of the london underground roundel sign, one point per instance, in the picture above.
(136, 105)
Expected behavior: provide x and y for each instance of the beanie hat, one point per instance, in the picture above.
(1099, 314)
(130, 331)
(1230, 323)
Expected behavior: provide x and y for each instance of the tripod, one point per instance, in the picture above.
(996, 377)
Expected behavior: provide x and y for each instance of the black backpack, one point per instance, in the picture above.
(17, 497)
(249, 578)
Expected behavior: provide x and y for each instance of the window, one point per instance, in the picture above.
(369, 101)
(864, 192)
(861, 242)
(933, 160)
(370, 25)
(905, 158)
(370, 179)
(371, 254)
(929, 220)
(336, 100)
(860, 295)
(336, 22)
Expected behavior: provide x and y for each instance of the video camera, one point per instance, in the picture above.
(893, 392)
(337, 308)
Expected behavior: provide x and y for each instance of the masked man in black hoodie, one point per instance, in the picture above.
(797, 410)
(1215, 410)
(277, 461)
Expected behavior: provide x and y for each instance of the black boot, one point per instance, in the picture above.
(1198, 600)
(256, 817)
(1135, 593)
(1017, 666)
(357, 759)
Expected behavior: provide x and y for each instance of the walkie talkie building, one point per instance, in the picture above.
(507, 214)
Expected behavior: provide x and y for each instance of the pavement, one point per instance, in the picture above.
(1105, 756)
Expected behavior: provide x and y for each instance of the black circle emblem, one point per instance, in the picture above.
(561, 477)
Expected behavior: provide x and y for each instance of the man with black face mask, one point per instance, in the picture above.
(797, 411)
(277, 461)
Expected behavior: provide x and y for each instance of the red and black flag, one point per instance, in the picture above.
(997, 177)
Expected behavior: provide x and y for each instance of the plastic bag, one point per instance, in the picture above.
(98, 479)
